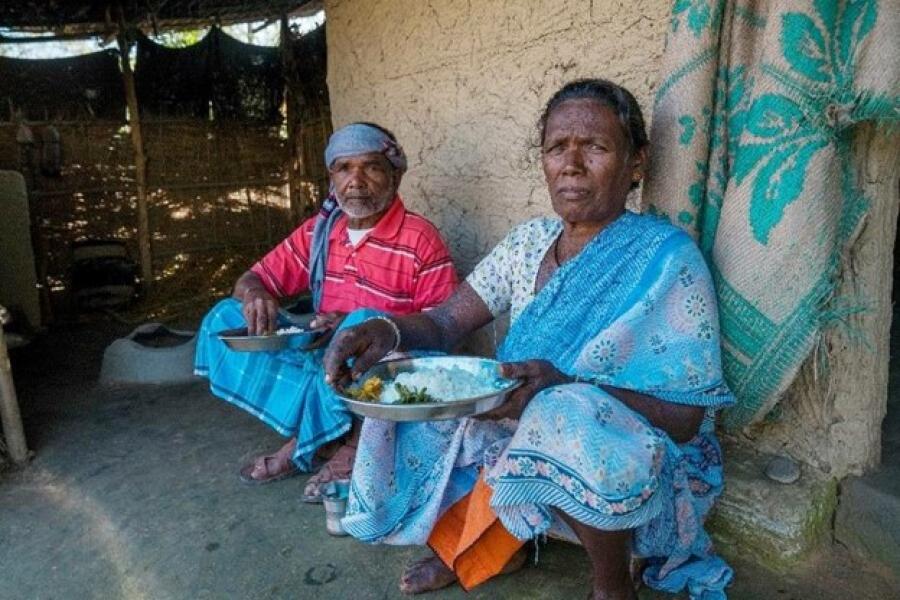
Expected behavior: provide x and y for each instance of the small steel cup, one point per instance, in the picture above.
(334, 497)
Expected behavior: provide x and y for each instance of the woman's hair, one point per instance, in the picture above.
(608, 94)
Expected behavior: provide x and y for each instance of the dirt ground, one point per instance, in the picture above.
(133, 493)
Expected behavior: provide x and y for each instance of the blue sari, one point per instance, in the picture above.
(634, 310)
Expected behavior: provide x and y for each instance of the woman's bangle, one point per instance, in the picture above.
(393, 325)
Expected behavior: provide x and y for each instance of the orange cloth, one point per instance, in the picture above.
(471, 540)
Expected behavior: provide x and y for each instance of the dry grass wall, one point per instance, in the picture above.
(218, 198)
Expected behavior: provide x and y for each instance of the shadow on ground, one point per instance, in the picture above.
(133, 493)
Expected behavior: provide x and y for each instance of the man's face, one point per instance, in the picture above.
(364, 185)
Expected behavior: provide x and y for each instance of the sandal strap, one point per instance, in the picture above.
(262, 463)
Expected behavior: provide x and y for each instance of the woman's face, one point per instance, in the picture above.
(587, 162)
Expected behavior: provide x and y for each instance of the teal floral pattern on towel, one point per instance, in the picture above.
(752, 126)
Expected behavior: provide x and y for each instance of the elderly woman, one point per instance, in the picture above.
(610, 440)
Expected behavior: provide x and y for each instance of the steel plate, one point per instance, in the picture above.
(433, 411)
(238, 340)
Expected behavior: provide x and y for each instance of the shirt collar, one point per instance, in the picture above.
(387, 227)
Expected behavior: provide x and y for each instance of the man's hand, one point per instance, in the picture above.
(366, 344)
(260, 311)
(537, 375)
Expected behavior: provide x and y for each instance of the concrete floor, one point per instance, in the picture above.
(133, 493)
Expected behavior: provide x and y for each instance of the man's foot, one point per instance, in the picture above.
(426, 575)
(271, 467)
(327, 450)
(339, 466)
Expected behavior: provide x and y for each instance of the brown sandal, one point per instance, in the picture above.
(339, 466)
(261, 464)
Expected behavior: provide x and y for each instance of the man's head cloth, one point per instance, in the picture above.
(359, 138)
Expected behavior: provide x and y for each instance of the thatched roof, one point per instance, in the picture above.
(65, 17)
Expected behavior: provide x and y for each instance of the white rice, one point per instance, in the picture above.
(289, 330)
(442, 383)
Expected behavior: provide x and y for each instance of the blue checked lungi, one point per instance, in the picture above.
(285, 390)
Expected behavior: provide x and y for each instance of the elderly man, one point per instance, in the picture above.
(363, 250)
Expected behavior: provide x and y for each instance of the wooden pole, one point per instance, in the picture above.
(287, 68)
(13, 432)
(140, 159)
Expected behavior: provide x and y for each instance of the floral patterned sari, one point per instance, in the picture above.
(635, 310)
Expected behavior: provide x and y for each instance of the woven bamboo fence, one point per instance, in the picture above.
(218, 197)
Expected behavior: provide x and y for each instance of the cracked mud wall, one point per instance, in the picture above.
(462, 84)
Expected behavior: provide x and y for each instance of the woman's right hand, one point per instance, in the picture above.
(260, 309)
(366, 344)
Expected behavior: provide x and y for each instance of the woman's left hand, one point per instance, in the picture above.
(537, 375)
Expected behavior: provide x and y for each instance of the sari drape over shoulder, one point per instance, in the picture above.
(634, 310)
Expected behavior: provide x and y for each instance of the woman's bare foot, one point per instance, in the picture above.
(516, 562)
(626, 593)
(625, 590)
(636, 570)
(426, 575)
(431, 573)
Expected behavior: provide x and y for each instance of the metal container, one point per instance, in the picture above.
(238, 340)
(334, 497)
(433, 411)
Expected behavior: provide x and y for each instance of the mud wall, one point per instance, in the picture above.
(462, 84)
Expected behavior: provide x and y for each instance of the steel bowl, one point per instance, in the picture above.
(433, 411)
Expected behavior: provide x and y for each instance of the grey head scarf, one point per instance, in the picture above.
(352, 140)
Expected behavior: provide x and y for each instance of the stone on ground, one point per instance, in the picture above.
(767, 521)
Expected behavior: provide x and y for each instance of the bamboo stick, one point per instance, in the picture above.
(140, 159)
(287, 68)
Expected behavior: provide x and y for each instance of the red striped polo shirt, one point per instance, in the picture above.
(401, 266)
